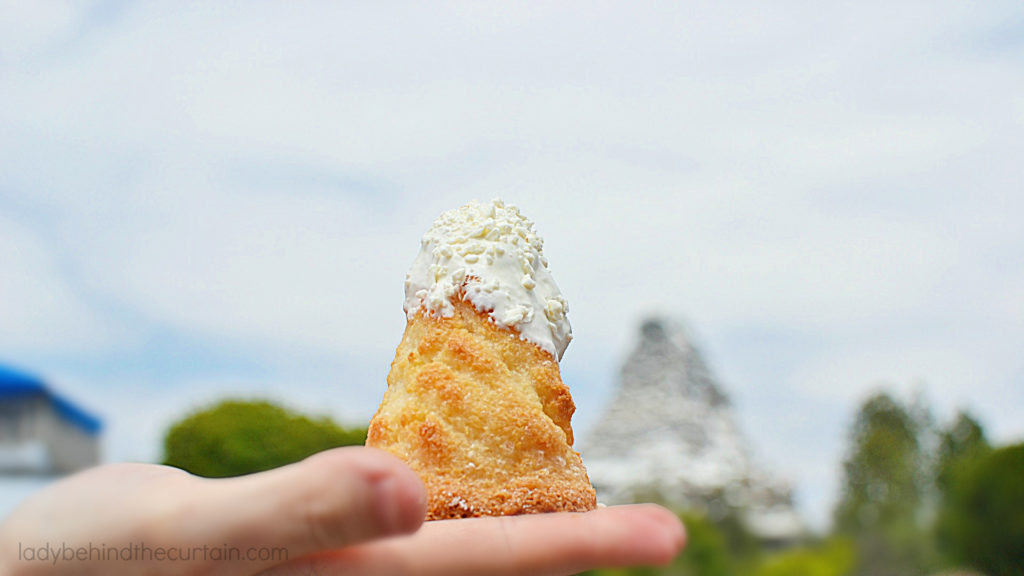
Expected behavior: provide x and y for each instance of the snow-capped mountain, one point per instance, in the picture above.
(670, 435)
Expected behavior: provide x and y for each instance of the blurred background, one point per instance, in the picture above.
(808, 219)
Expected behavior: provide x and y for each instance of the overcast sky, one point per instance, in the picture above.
(224, 198)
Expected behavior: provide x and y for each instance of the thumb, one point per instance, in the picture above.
(330, 500)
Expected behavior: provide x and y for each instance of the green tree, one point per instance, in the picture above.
(236, 437)
(960, 446)
(882, 490)
(984, 515)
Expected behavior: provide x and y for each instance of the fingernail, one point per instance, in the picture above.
(674, 533)
(400, 502)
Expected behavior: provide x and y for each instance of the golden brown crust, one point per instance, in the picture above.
(484, 418)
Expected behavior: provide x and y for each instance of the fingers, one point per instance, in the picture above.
(543, 544)
(331, 500)
(134, 518)
(317, 512)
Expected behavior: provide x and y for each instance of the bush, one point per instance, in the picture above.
(833, 558)
(236, 437)
(706, 554)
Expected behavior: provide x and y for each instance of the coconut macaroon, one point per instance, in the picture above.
(475, 402)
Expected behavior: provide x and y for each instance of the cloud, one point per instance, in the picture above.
(39, 310)
(831, 194)
(276, 267)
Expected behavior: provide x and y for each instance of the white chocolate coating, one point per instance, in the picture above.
(492, 253)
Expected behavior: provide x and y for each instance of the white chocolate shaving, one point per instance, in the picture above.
(491, 253)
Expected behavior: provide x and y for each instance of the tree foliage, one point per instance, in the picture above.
(883, 490)
(236, 437)
(879, 483)
(917, 499)
(984, 514)
(960, 447)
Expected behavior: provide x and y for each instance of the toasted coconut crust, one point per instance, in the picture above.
(483, 417)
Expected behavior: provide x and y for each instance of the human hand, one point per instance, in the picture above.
(343, 511)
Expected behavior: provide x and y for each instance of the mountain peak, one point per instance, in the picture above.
(670, 434)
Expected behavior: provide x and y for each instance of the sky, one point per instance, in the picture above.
(209, 199)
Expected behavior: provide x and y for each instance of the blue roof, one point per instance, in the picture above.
(14, 384)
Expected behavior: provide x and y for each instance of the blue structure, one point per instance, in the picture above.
(42, 432)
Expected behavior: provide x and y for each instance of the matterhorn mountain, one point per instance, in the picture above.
(670, 435)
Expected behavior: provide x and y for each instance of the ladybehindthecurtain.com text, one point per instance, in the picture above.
(55, 553)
